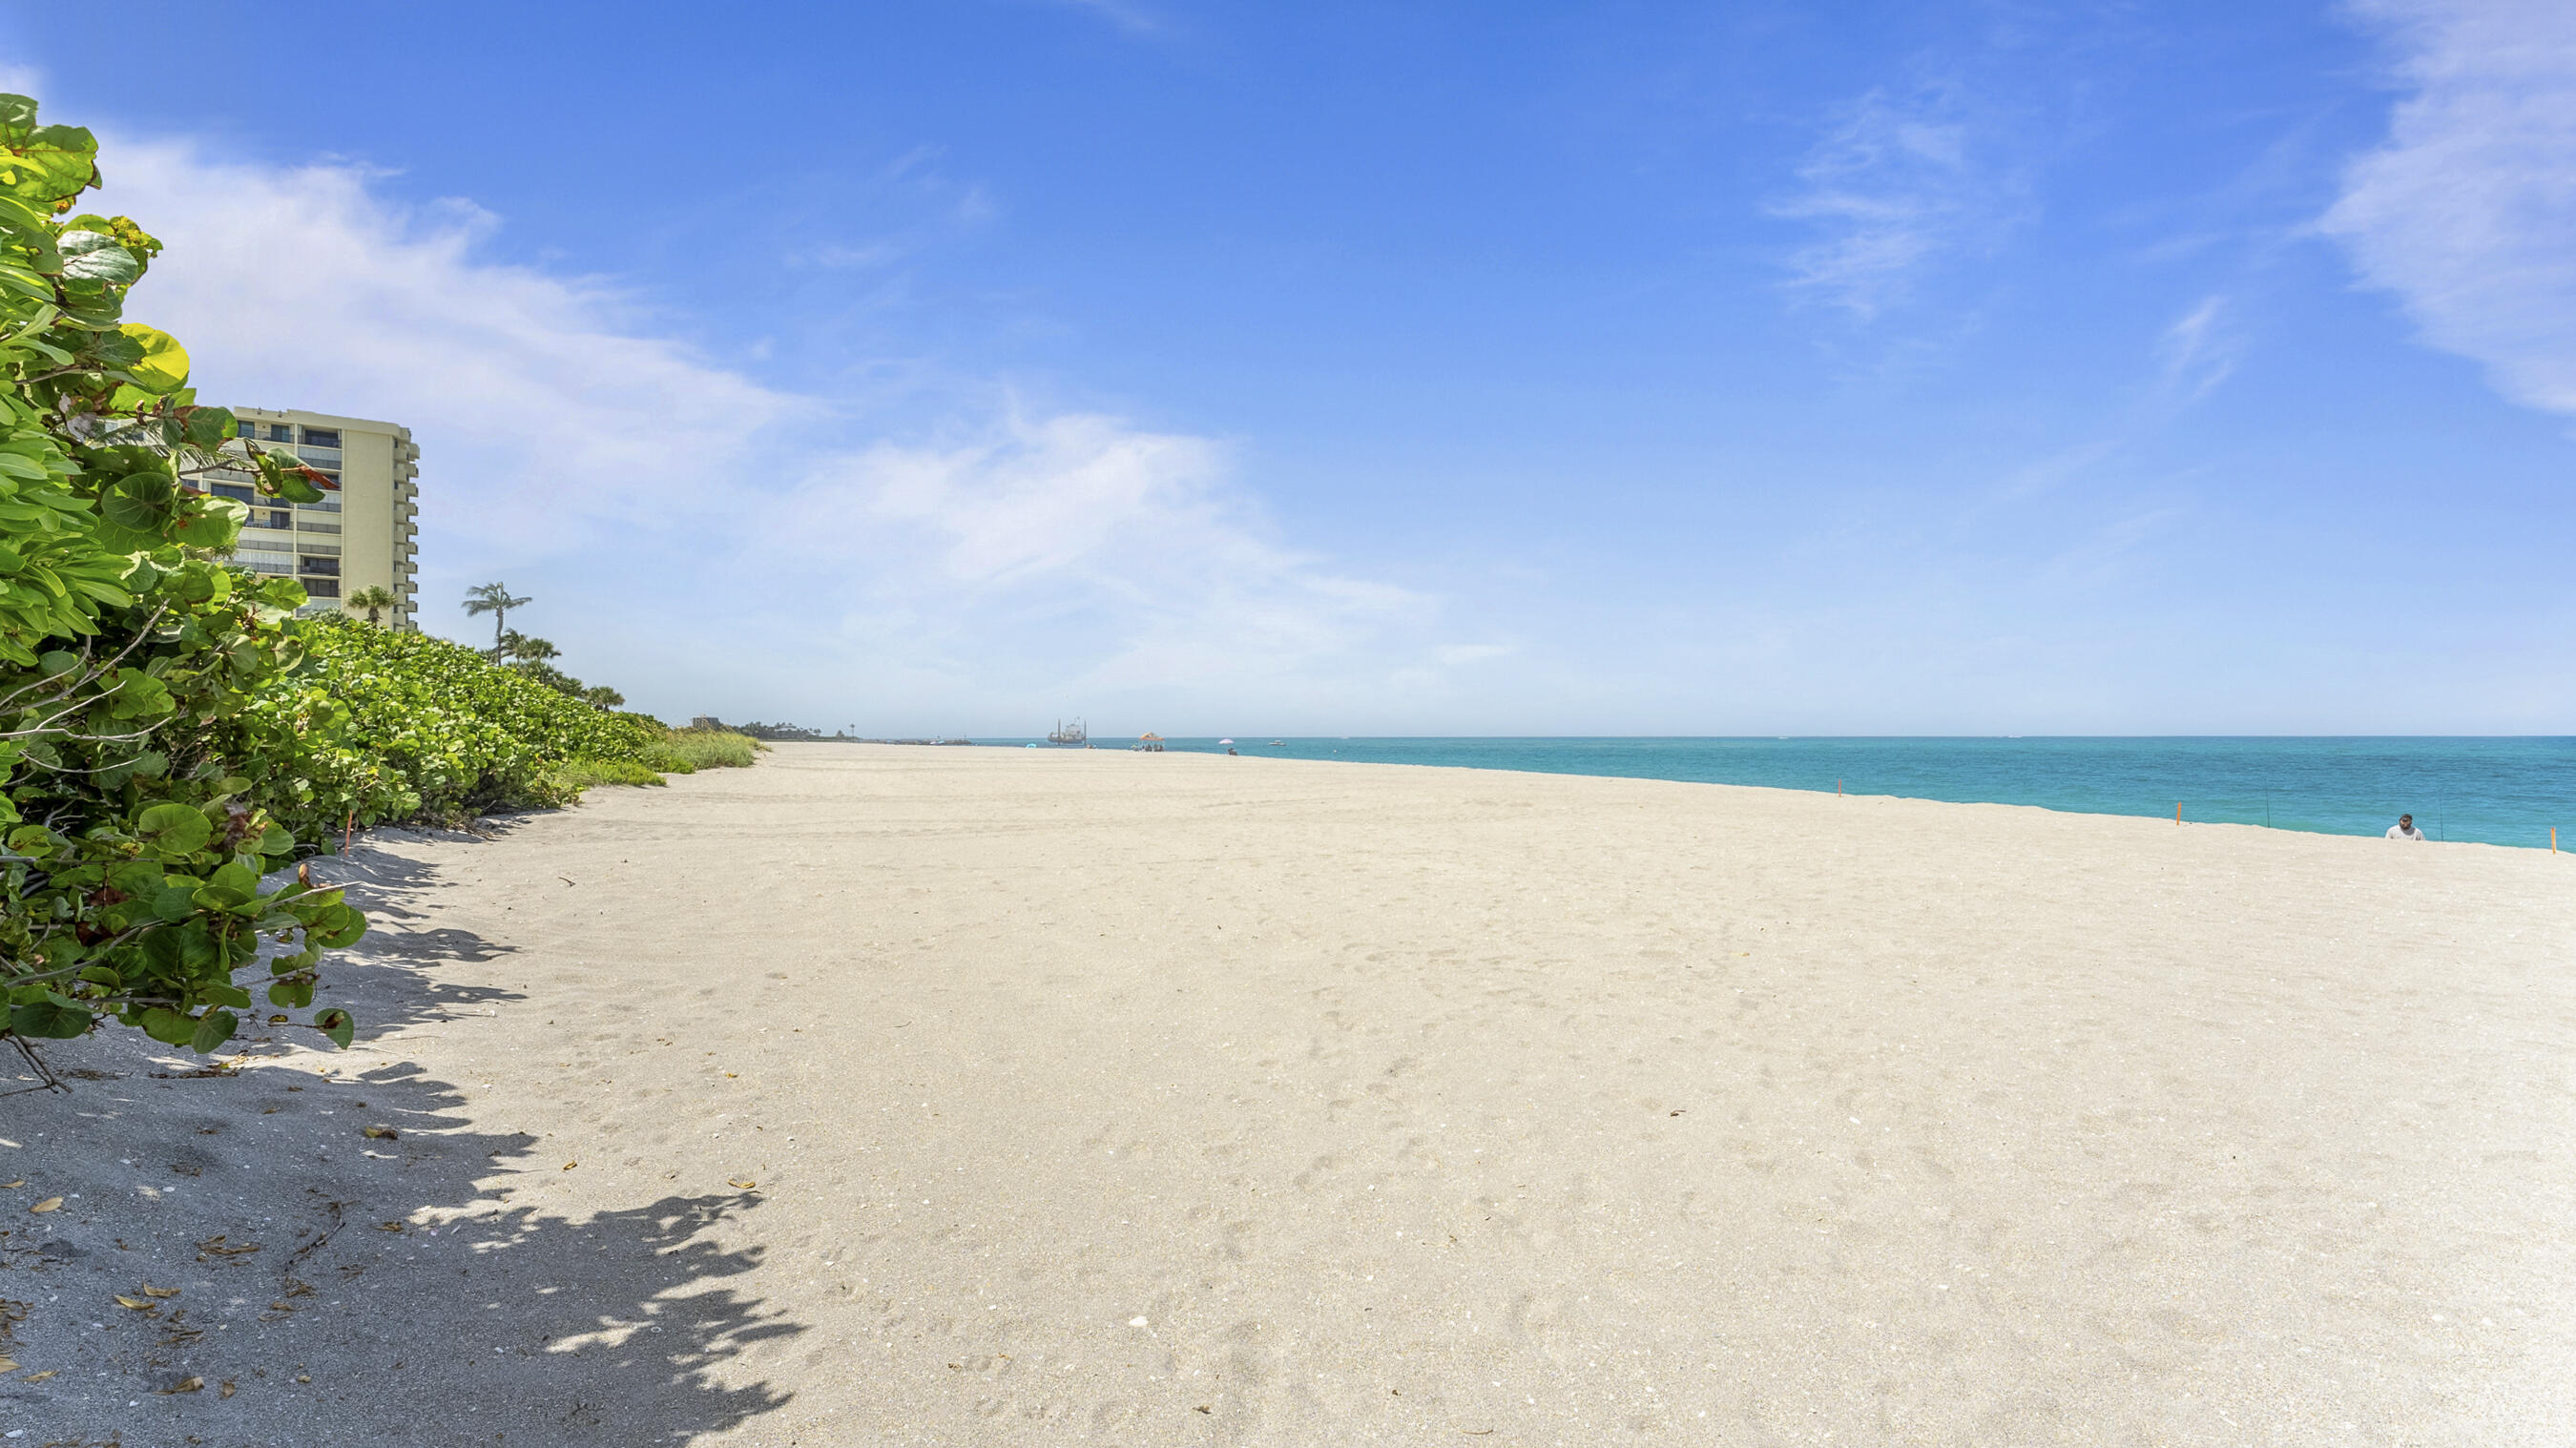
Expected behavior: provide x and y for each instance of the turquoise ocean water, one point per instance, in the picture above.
(2499, 791)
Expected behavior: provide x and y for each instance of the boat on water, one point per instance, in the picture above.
(1074, 733)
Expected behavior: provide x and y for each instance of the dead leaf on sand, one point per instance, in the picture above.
(151, 1291)
(216, 1246)
(139, 1304)
(742, 1184)
(390, 1226)
(184, 1385)
(8, 1365)
(570, 1165)
(20, 1182)
(47, 1205)
(226, 1390)
(381, 1133)
(39, 1377)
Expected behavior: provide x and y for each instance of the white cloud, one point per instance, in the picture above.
(2466, 211)
(695, 523)
(1897, 183)
(1110, 560)
(541, 408)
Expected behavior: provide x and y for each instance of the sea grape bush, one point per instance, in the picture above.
(172, 735)
(420, 726)
(154, 703)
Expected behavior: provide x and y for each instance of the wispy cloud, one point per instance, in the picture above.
(1135, 19)
(1899, 182)
(2465, 213)
(990, 558)
(2199, 350)
(1084, 527)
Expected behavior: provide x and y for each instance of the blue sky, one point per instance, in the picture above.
(1418, 368)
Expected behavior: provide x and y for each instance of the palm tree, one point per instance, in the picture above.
(494, 599)
(375, 598)
(519, 648)
(600, 696)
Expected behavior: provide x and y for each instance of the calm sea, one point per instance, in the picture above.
(2500, 791)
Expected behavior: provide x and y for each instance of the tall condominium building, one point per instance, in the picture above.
(359, 535)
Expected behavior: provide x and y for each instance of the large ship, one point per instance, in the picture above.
(1072, 733)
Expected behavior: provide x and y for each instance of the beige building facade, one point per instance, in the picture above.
(360, 535)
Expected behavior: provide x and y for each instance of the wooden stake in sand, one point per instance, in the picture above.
(2177, 811)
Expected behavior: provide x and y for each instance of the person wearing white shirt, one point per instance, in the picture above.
(2405, 829)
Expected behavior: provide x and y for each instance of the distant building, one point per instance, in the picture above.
(360, 535)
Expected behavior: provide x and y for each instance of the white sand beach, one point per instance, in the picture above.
(879, 1095)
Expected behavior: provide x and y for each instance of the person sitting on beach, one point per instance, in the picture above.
(2405, 829)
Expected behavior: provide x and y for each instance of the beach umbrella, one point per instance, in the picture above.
(1225, 741)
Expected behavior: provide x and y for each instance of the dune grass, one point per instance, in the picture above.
(686, 751)
(678, 751)
(580, 774)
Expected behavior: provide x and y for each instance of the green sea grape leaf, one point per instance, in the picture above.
(95, 256)
(213, 1029)
(161, 363)
(49, 1020)
(173, 829)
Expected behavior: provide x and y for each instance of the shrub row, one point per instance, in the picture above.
(408, 726)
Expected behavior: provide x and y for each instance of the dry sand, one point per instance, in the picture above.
(1125, 1099)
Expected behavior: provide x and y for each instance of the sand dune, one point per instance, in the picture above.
(1089, 1097)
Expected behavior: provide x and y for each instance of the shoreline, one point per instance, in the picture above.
(2209, 809)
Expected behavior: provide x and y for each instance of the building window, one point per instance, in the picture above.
(321, 567)
(245, 429)
(234, 491)
(277, 518)
(322, 437)
(321, 588)
(280, 432)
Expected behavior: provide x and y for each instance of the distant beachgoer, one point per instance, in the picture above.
(2405, 829)
(1234, 751)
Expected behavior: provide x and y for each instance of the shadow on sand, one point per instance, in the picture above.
(334, 1287)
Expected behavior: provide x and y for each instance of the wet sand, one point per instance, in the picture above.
(975, 1096)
